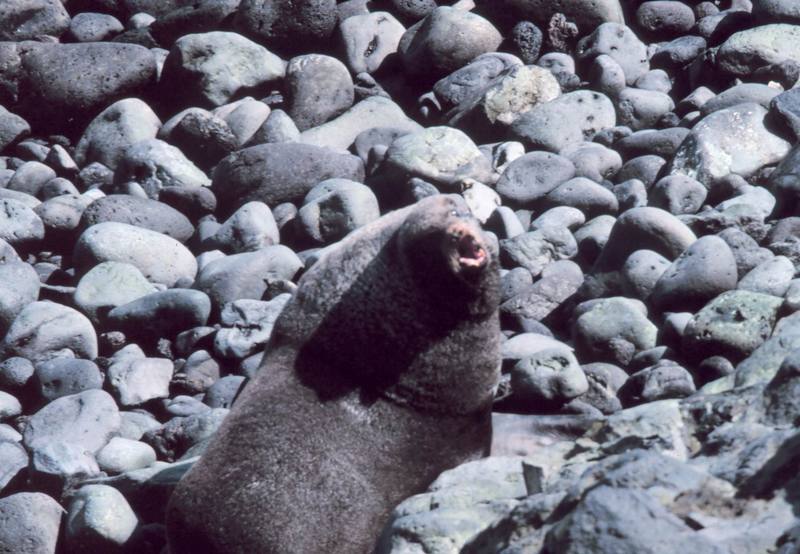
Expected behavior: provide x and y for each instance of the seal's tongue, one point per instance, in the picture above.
(470, 253)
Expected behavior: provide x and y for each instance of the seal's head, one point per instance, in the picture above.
(446, 245)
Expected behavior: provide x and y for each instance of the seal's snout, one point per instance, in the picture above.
(471, 255)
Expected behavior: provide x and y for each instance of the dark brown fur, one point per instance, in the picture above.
(379, 376)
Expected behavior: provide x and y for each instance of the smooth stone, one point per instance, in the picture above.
(250, 228)
(594, 161)
(732, 325)
(160, 258)
(584, 194)
(13, 462)
(565, 121)
(10, 406)
(661, 381)
(678, 194)
(210, 68)
(769, 277)
(57, 464)
(318, 88)
(32, 521)
(19, 225)
(30, 177)
(340, 133)
(620, 43)
(108, 285)
(88, 420)
(136, 381)
(703, 271)
(20, 20)
(247, 326)
(587, 14)
(45, 330)
(755, 93)
(640, 273)
(244, 117)
(94, 27)
(471, 80)
(173, 439)
(276, 173)
(99, 519)
(613, 330)
(13, 128)
(548, 378)
(665, 18)
(303, 24)
(446, 40)
(65, 376)
(330, 217)
(368, 39)
(154, 164)
(223, 393)
(120, 125)
(121, 455)
(19, 286)
(245, 275)
(750, 49)
(141, 212)
(532, 176)
(535, 250)
(161, 314)
(642, 109)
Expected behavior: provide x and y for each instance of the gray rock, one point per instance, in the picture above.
(604, 380)
(646, 168)
(642, 109)
(559, 280)
(9, 406)
(45, 330)
(472, 79)
(154, 164)
(250, 228)
(13, 128)
(121, 455)
(438, 45)
(530, 177)
(21, 20)
(678, 194)
(706, 269)
(66, 84)
(709, 154)
(594, 161)
(136, 423)
(94, 27)
(223, 393)
(593, 236)
(99, 519)
(122, 124)
(331, 216)
(786, 106)
(745, 249)
(318, 88)
(13, 461)
(108, 285)
(620, 43)
(246, 275)
(586, 14)
(19, 286)
(275, 173)
(30, 177)
(244, 117)
(203, 137)
(612, 330)
(19, 225)
(535, 250)
(287, 26)
(135, 381)
(31, 523)
(564, 122)
(160, 258)
(750, 49)
(560, 216)
(732, 325)
(178, 435)
(762, 365)
(546, 379)
(784, 185)
(586, 195)
(656, 80)
(665, 18)
(212, 67)
(630, 194)
(141, 212)
(57, 465)
(770, 277)
(65, 376)
(87, 420)
(641, 271)
(663, 380)
(247, 325)
(340, 133)
(161, 314)
(368, 39)
(741, 94)
(661, 142)
(644, 525)
(15, 373)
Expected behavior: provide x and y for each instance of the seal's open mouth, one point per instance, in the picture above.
(470, 253)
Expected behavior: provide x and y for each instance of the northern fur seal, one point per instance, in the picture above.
(379, 375)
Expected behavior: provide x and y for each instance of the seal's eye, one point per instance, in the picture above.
(454, 213)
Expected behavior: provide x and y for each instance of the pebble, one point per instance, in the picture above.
(532, 176)
(135, 381)
(99, 518)
(275, 173)
(437, 45)
(318, 88)
(564, 122)
(584, 194)
(108, 285)
(154, 164)
(160, 258)
(549, 377)
(306, 24)
(44, 330)
(250, 228)
(620, 43)
(32, 521)
(19, 286)
(613, 330)
(678, 194)
(535, 250)
(121, 455)
(210, 68)
(65, 376)
(331, 216)
(161, 314)
(750, 49)
(247, 326)
(141, 212)
(94, 27)
(368, 39)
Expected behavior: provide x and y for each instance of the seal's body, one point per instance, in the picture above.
(379, 375)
